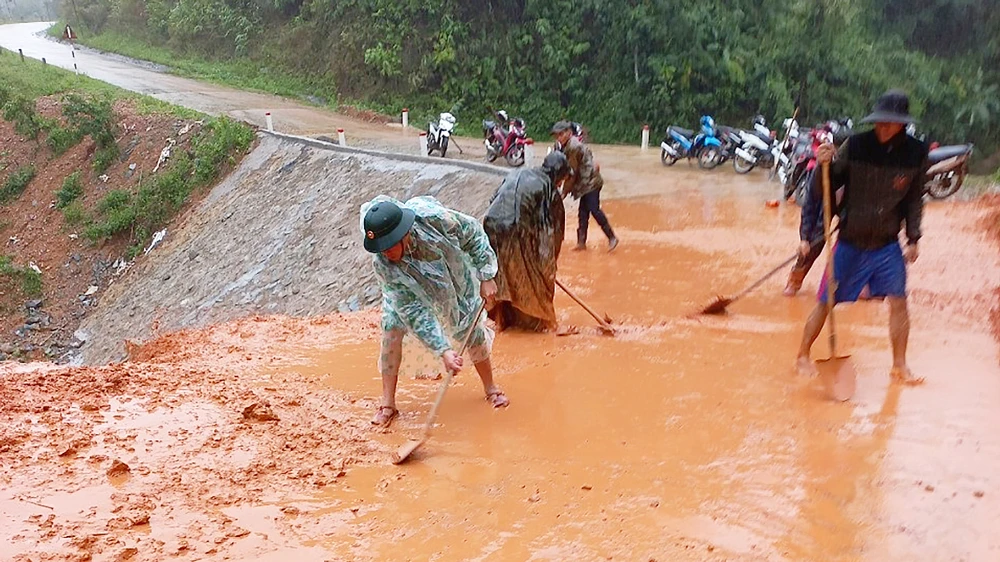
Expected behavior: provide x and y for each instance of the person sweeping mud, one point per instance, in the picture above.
(526, 223)
(435, 266)
(584, 183)
(882, 174)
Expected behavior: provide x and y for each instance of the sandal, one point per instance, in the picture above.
(498, 399)
(384, 416)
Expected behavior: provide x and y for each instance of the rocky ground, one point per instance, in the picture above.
(278, 236)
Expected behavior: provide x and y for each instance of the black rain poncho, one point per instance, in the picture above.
(525, 223)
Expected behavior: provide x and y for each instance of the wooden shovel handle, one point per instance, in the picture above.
(831, 283)
(451, 374)
(600, 320)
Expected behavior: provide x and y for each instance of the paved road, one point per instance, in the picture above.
(146, 79)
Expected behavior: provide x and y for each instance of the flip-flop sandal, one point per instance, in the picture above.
(498, 399)
(384, 422)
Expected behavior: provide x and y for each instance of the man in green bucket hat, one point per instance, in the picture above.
(435, 266)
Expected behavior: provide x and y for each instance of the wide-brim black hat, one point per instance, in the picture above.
(892, 107)
(386, 224)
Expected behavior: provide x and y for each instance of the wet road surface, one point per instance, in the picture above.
(684, 438)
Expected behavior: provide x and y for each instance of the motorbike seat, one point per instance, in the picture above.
(682, 132)
(761, 136)
(945, 152)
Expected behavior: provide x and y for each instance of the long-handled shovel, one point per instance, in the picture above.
(719, 305)
(406, 450)
(837, 368)
(604, 323)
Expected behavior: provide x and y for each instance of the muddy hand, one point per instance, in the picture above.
(452, 361)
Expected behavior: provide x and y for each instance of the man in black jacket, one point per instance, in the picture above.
(882, 173)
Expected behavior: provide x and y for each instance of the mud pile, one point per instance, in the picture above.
(91, 457)
(278, 236)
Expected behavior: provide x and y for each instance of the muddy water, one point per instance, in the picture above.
(691, 438)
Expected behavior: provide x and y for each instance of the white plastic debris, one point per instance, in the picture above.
(157, 238)
(73, 236)
(90, 290)
(164, 154)
(34, 267)
(184, 130)
(103, 177)
(13, 240)
(120, 265)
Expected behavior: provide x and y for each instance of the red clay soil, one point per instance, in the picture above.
(32, 229)
(171, 441)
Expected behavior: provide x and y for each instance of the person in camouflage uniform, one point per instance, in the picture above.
(435, 266)
(584, 183)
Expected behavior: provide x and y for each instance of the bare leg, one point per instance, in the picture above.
(389, 360)
(814, 325)
(899, 335)
(493, 392)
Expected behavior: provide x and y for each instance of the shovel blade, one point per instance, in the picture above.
(406, 450)
(838, 374)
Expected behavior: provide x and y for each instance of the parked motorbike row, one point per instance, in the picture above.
(713, 145)
(797, 158)
(503, 137)
(792, 159)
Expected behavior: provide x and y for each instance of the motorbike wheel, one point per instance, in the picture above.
(742, 165)
(444, 146)
(666, 158)
(943, 186)
(492, 152)
(515, 156)
(709, 157)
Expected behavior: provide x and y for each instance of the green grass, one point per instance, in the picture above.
(87, 107)
(16, 183)
(160, 197)
(75, 215)
(31, 79)
(72, 189)
(29, 280)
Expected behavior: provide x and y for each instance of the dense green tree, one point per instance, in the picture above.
(613, 64)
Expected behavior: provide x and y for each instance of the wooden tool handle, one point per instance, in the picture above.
(831, 283)
(451, 374)
(584, 305)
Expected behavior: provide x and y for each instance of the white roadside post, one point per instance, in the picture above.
(423, 143)
(529, 152)
(406, 118)
(645, 137)
(270, 124)
(341, 137)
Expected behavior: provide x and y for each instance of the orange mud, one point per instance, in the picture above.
(684, 438)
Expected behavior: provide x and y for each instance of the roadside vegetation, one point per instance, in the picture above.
(86, 113)
(610, 64)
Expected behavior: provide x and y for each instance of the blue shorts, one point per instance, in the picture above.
(882, 270)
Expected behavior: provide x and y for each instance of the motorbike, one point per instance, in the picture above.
(439, 136)
(758, 147)
(505, 139)
(949, 166)
(683, 143)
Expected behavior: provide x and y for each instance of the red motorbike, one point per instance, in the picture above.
(505, 138)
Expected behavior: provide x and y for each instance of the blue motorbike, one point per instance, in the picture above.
(684, 143)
